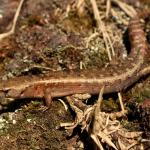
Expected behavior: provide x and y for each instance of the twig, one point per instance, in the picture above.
(129, 10)
(79, 3)
(101, 27)
(121, 103)
(100, 97)
(63, 103)
(12, 30)
(108, 7)
(90, 38)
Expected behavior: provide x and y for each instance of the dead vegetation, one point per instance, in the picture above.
(103, 127)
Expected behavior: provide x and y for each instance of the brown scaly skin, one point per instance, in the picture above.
(115, 78)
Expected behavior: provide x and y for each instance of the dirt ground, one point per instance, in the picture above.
(54, 35)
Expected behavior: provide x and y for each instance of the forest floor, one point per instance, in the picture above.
(58, 35)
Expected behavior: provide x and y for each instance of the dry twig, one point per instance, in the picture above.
(108, 7)
(101, 27)
(12, 30)
(129, 10)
